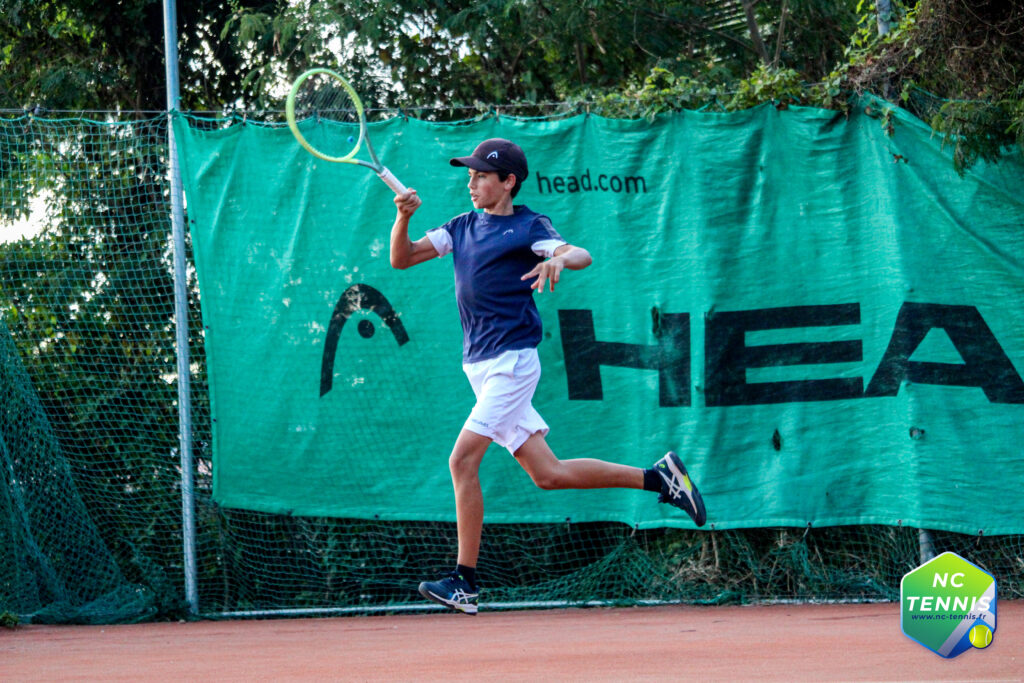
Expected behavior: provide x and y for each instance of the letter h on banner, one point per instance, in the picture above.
(584, 356)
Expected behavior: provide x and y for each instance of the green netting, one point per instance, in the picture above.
(90, 503)
(56, 566)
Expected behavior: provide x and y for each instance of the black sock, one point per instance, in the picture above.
(652, 480)
(467, 573)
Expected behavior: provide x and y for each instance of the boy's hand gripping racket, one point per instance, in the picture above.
(326, 95)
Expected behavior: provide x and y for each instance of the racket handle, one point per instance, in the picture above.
(391, 181)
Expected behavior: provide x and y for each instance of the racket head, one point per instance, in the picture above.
(326, 97)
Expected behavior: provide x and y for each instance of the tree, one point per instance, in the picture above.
(99, 55)
(439, 58)
(957, 65)
(454, 53)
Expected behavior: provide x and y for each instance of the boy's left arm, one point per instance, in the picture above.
(566, 256)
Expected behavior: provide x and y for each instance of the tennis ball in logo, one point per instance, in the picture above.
(980, 636)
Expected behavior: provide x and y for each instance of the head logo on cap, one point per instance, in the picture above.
(496, 154)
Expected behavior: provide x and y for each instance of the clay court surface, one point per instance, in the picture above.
(675, 643)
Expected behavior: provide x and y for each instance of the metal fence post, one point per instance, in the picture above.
(188, 525)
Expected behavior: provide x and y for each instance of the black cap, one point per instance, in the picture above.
(496, 154)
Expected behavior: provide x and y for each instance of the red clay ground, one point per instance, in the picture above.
(785, 643)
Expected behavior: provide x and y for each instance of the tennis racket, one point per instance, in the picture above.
(324, 94)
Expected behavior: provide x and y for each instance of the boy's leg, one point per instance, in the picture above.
(464, 464)
(548, 472)
(457, 589)
(668, 476)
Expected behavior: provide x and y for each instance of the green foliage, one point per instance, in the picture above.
(954, 64)
(779, 86)
(979, 130)
(448, 60)
(98, 55)
(908, 66)
(460, 53)
(660, 91)
(8, 620)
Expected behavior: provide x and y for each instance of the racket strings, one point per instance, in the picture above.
(321, 97)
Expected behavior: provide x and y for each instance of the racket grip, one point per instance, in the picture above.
(391, 181)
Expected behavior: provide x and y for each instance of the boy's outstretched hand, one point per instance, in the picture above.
(545, 271)
(566, 256)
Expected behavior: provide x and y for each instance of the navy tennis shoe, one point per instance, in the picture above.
(452, 591)
(678, 490)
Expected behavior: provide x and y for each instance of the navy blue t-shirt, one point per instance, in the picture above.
(491, 255)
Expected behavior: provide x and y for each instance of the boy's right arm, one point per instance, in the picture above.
(404, 252)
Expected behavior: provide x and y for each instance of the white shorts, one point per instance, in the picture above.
(504, 389)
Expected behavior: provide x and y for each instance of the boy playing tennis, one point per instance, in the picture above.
(502, 254)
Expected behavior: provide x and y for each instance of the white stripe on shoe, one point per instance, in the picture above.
(678, 482)
(678, 489)
(459, 600)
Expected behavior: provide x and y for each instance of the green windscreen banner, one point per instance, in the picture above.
(818, 313)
